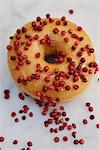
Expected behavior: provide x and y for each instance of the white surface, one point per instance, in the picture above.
(13, 14)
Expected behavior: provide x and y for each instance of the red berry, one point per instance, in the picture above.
(63, 32)
(9, 47)
(77, 43)
(6, 91)
(37, 55)
(15, 142)
(36, 37)
(67, 87)
(23, 117)
(21, 96)
(81, 38)
(92, 117)
(25, 107)
(13, 114)
(6, 96)
(42, 41)
(97, 125)
(55, 30)
(65, 23)
(56, 139)
(74, 125)
(82, 60)
(57, 22)
(70, 31)
(24, 29)
(76, 87)
(18, 37)
(71, 11)
(25, 111)
(38, 19)
(69, 127)
(43, 113)
(47, 79)
(29, 143)
(16, 43)
(1, 139)
(81, 141)
(79, 28)
(13, 57)
(61, 107)
(46, 68)
(50, 121)
(76, 141)
(30, 114)
(56, 130)
(64, 113)
(64, 124)
(63, 18)
(85, 121)
(46, 124)
(18, 31)
(73, 47)
(90, 109)
(61, 83)
(45, 88)
(74, 134)
(61, 120)
(47, 15)
(66, 40)
(51, 130)
(16, 120)
(28, 61)
(65, 138)
(20, 111)
(61, 128)
(67, 119)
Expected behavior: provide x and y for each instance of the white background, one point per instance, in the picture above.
(13, 14)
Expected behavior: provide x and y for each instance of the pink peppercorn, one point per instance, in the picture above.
(69, 127)
(64, 124)
(46, 68)
(76, 141)
(1, 139)
(30, 114)
(51, 130)
(85, 121)
(90, 109)
(63, 113)
(74, 125)
(37, 55)
(15, 142)
(81, 141)
(29, 143)
(74, 134)
(16, 120)
(23, 117)
(97, 125)
(13, 114)
(79, 28)
(61, 107)
(71, 11)
(56, 130)
(92, 117)
(87, 104)
(65, 138)
(56, 139)
(21, 96)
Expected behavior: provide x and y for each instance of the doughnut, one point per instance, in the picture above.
(51, 59)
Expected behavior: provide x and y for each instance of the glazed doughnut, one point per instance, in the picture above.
(51, 59)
